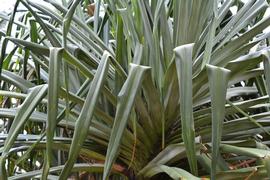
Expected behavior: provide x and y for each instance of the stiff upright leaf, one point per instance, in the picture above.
(218, 80)
(53, 91)
(183, 61)
(126, 98)
(67, 21)
(85, 118)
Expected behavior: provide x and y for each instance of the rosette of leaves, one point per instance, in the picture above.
(135, 89)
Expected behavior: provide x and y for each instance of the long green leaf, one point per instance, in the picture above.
(251, 152)
(183, 60)
(126, 98)
(173, 172)
(53, 91)
(21, 117)
(91, 168)
(85, 118)
(218, 80)
(266, 63)
(48, 33)
(8, 33)
(67, 21)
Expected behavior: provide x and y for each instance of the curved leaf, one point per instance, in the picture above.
(21, 117)
(85, 118)
(183, 60)
(126, 98)
(218, 80)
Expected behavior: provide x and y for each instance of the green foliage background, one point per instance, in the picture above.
(135, 89)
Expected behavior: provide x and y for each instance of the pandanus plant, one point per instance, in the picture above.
(135, 89)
